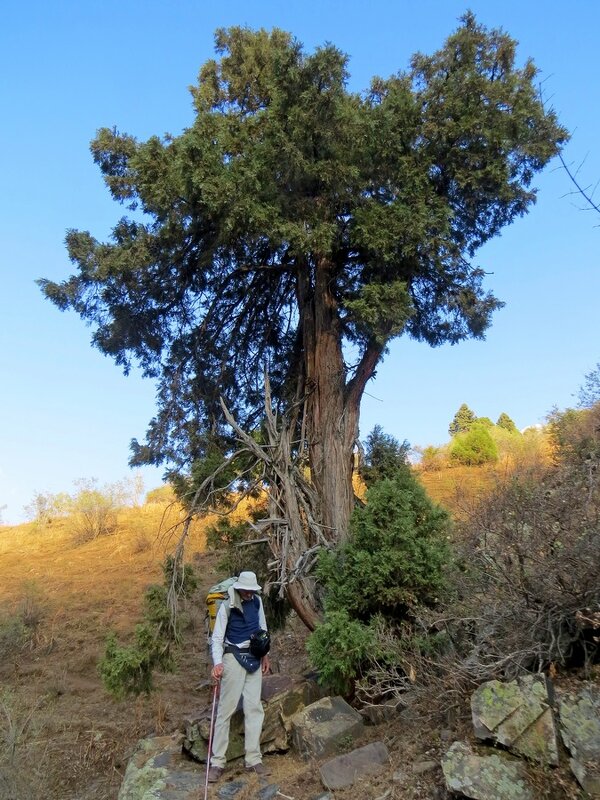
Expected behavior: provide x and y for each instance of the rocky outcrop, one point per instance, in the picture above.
(493, 776)
(580, 731)
(283, 696)
(325, 727)
(518, 716)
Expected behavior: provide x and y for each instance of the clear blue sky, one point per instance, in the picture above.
(71, 66)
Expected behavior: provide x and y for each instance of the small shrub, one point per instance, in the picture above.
(19, 628)
(433, 459)
(474, 447)
(338, 647)
(45, 509)
(23, 756)
(128, 669)
(93, 511)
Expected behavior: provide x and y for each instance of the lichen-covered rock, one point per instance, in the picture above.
(325, 728)
(156, 771)
(580, 731)
(342, 771)
(517, 715)
(490, 777)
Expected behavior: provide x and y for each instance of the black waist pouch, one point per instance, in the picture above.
(244, 657)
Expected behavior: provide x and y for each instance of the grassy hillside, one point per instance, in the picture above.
(460, 487)
(64, 737)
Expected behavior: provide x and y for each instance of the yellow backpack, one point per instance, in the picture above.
(215, 597)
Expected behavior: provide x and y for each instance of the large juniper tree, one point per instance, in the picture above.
(295, 229)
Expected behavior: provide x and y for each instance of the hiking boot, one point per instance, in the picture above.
(259, 769)
(214, 773)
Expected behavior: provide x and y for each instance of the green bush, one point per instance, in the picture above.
(384, 456)
(393, 562)
(128, 670)
(338, 647)
(395, 556)
(474, 447)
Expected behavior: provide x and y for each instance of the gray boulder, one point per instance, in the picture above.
(325, 728)
(580, 731)
(488, 777)
(342, 771)
(517, 715)
(157, 771)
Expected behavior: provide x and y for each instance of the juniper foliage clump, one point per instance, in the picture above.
(393, 563)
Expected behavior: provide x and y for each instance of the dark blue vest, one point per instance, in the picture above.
(241, 626)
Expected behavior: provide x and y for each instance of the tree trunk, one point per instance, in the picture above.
(331, 412)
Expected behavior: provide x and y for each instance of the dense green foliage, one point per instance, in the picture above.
(395, 557)
(338, 648)
(393, 563)
(384, 456)
(462, 421)
(128, 669)
(504, 421)
(294, 218)
(474, 447)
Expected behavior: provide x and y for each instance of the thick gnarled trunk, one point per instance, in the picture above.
(332, 412)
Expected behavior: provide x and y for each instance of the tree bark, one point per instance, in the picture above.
(331, 412)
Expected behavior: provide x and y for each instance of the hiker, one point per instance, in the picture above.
(239, 671)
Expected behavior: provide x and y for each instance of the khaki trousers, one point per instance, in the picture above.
(235, 683)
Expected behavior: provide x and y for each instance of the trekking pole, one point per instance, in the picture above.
(210, 736)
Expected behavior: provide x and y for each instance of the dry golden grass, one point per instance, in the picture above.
(74, 593)
(459, 488)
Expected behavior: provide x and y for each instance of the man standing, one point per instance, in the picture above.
(240, 621)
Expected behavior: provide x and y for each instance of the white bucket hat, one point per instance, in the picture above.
(247, 582)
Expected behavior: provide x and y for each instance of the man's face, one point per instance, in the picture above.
(246, 595)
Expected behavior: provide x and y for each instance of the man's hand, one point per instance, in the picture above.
(265, 665)
(217, 672)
